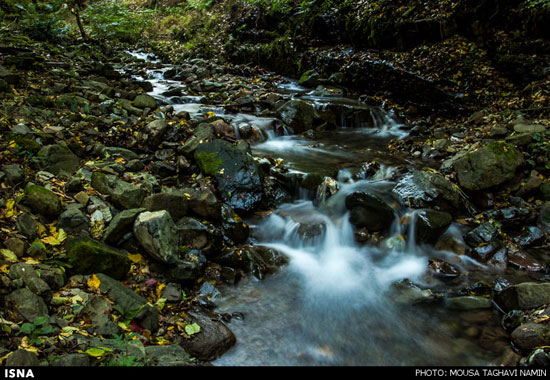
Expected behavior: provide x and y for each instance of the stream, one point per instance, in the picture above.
(335, 302)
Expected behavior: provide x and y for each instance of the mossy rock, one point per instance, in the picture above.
(42, 200)
(89, 256)
(492, 165)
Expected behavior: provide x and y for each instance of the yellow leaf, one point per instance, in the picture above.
(5, 268)
(9, 208)
(30, 260)
(50, 240)
(159, 289)
(8, 255)
(136, 258)
(93, 282)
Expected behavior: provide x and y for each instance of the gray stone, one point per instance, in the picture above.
(121, 225)
(59, 160)
(71, 360)
(369, 211)
(201, 236)
(73, 220)
(22, 358)
(212, 341)
(123, 194)
(30, 277)
(175, 203)
(128, 301)
(27, 304)
(239, 178)
(14, 174)
(42, 200)
(154, 132)
(145, 101)
(88, 256)
(158, 235)
(469, 303)
(421, 189)
(27, 226)
(531, 335)
(489, 166)
(297, 114)
(172, 355)
(430, 224)
(523, 296)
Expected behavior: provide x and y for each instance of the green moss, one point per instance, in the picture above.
(89, 256)
(208, 162)
(42, 200)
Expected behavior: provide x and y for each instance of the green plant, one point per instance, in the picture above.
(40, 326)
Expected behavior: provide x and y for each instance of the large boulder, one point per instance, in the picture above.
(369, 211)
(41, 200)
(88, 256)
(422, 189)
(298, 115)
(430, 224)
(127, 301)
(27, 304)
(492, 165)
(213, 339)
(175, 203)
(59, 160)
(158, 235)
(121, 225)
(239, 177)
(123, 194)
(524, 296)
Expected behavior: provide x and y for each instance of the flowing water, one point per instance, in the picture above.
(335, 302)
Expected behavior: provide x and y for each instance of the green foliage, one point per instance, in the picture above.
(538, 3)
(111, 20)
(40, 326)
(43, 22)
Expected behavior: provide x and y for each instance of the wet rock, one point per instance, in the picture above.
(407, 293)
(511, 218)
(233, 226)
(145, 101)
(369, 211)
(172, 355)
(121, 225)
(529, 236)
(42, 200)
(158, 235)
(212, 341)
(420, 189)
(257, 260)
(522, 260)
(483, 233)
(468, 303)
(59, 160)
(430, 224)
(9, 76)
(492, 165)
(524, 296)
(174, 202)
(201, 236)
(27, 304)
(297, 114)
(128, 301)
(443, 269)
(205, 204)
(186, 269)
(123, 194)
(531, 335)
(22, 358)
(543, 220)
(309, 79)
(451, 243)
(88, 256)
(239, 178)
